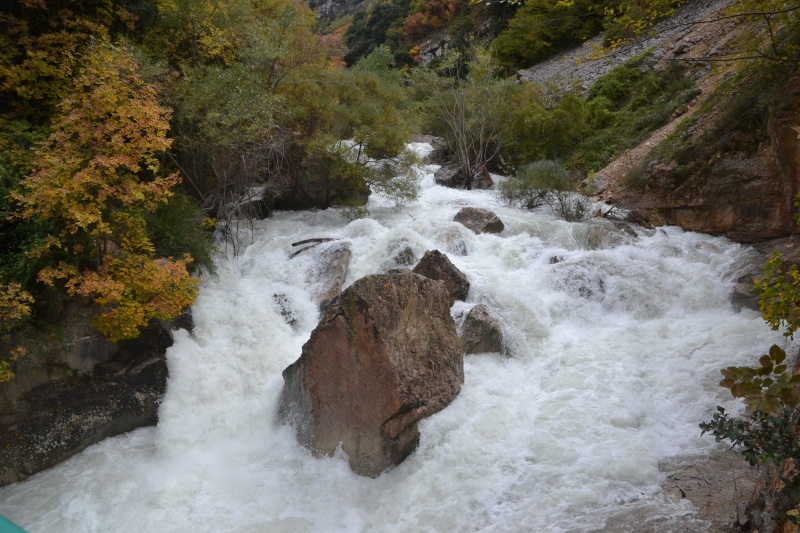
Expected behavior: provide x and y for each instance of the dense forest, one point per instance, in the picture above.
(138, 134)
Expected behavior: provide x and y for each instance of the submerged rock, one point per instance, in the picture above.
(284, 305)
(402, 252)
(580, 279)
(435, 265)
(327, 276)
(479, 220)
(482, 332)
(385, 355)
(452, 241)
(608, 235)
(743, 297)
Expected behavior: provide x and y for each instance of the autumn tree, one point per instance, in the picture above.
(94, 178)
(241, 108)
(15, 306)
(431, 15)
(269, 125)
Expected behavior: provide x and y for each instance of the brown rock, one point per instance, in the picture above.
(385, 355)
(453, 177)
(482, 332)
(435, 265)
(479, 220)
(745, 195)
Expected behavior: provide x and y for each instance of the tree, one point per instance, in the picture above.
(351, 136)
(545, 125)
(541, 28)
(235, 106)
(474, 115)
(95, 176)
(432, 15)
(196, 32)
(370, 29)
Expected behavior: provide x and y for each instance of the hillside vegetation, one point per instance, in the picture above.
(123, 121)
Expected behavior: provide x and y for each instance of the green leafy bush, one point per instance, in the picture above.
(624, 107)
(542, 128)
(767, 434)
(180, 226)
(541, 28)
(371, 28)
(779, 300)
(545, 182)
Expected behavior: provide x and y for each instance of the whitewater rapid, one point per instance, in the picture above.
(616, 358)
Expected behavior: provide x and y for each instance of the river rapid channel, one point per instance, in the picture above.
(615, 358)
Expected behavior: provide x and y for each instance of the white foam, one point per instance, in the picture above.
(617, 355)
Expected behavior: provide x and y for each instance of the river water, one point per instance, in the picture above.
(615, 360)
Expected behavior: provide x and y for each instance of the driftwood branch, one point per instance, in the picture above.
(315, 242)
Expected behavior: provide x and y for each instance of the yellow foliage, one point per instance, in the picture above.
(111, 128)
(14, 308)
(95, 176)
(14, 305)
(136, 288)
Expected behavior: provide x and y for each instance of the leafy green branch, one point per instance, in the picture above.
(766, 388)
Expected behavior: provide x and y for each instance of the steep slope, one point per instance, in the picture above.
(728, 165)
(725, 164)
(579, 65)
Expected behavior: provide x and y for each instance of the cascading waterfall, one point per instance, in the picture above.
(615, 360)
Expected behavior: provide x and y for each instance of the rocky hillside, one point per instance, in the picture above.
(682, 36)
(726, 164)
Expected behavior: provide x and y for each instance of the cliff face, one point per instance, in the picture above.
(74, 389)
(730, 163)
(331, 9)
(744, 195)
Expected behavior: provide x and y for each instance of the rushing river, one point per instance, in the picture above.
(616, 358)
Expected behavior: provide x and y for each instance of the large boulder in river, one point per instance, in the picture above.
(479, 220)
(450, 176)
(435, 265)
(385, 355)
